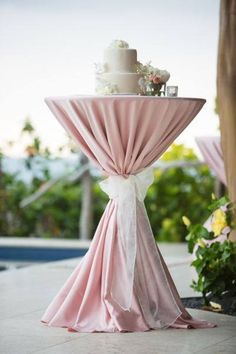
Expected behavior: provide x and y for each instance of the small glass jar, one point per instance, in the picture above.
(172, 91)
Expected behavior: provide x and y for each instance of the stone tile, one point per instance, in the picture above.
(30, 323)
(180, 341)
(29, 289)
(227, 346)
(183, 282)
(26, 293)
(153, 342)
(28, 344)
(26, 334)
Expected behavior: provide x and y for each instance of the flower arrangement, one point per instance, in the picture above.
(119, 44)
(152, 79)
(104, 87)
(100, 68)
(214, 252)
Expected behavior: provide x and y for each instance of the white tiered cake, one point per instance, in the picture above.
(119, 74)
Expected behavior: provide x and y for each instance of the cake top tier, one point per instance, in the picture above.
(119, 58)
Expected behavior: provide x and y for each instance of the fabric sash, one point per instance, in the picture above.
(126, 191)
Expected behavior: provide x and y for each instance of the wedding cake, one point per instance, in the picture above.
(122, 73)
(118, 74)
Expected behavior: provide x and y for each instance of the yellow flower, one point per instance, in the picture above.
(213, 197)
(215, 306)
(201, 243)
(219, 214)
(186, 221)
(219, 222)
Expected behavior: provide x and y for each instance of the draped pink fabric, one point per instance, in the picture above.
(122, 135)
(210, 147)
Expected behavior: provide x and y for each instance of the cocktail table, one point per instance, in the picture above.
(122, 283)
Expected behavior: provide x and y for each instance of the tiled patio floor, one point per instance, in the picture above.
(25, 293)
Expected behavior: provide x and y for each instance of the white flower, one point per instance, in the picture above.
(118, 43)
(100, 68)
(104, 87)
(108, 90)
(165, 75)
(156, 71)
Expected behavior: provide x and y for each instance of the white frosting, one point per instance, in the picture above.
(124, 82)
(120, 60)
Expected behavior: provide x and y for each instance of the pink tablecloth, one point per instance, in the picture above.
(122, 135)
(210, 147)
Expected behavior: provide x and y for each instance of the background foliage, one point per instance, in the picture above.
(176, 191)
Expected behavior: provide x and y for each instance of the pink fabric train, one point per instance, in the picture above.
(122, 135)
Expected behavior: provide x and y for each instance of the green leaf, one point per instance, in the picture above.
(200, 231)
(199, 265)
(218, 203)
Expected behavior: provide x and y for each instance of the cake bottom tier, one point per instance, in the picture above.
(123, 83)
(85, 302)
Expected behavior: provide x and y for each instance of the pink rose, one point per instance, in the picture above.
(156, 79)
(164, 75)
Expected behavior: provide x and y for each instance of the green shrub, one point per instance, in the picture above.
(214, 262)
(178, 191)
(175, 192)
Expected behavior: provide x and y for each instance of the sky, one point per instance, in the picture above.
(49, 48)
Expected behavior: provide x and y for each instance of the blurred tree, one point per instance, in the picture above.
(226, 93)
(35, 150)
(86, 214)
